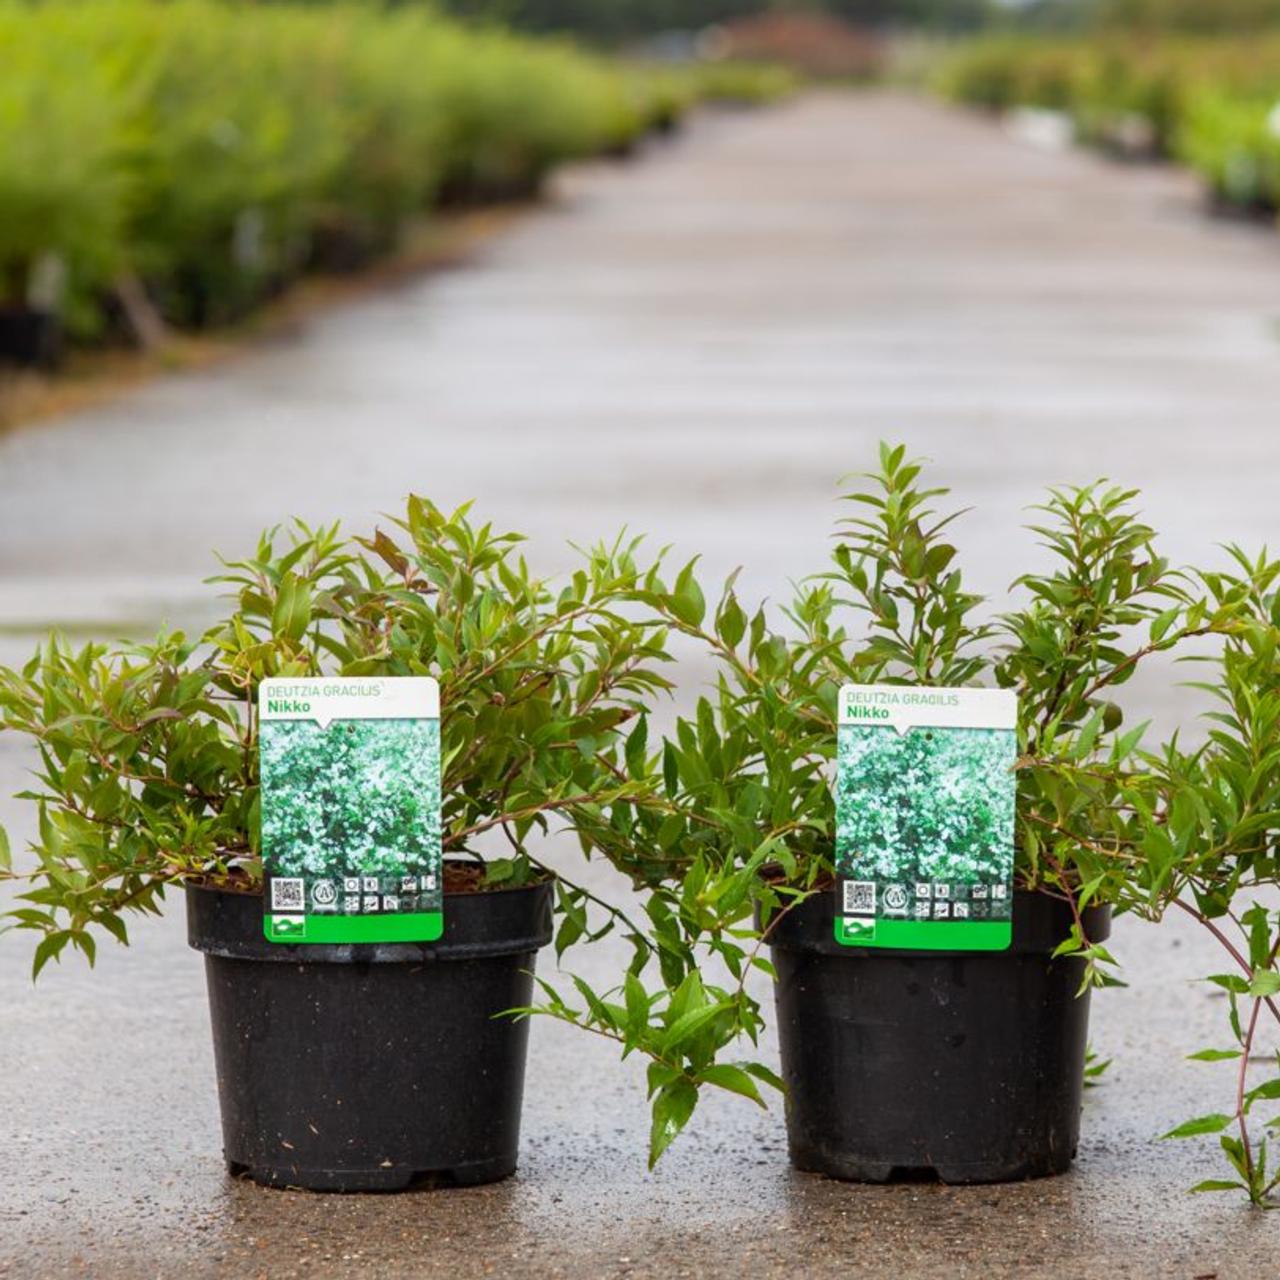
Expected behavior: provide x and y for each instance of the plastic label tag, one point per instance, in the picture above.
(350, 771)
(925, 796)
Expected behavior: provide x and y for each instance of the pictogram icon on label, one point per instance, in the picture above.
(895, 898)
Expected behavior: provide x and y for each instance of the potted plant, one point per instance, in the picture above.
(363, 1066)
(965, 1065)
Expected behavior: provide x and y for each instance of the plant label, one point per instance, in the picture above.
(350, 771)
(925, 795)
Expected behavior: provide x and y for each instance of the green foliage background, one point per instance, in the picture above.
(358, 796)
(1205, 101)
(615, 20)
(925, 805)
(210, 151)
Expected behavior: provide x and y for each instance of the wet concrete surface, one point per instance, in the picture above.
(697, 345)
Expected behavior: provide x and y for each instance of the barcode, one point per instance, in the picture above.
(859, 897)
(286, 894)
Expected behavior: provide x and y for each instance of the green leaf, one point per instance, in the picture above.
(6, 853)
(86, 945)
(1214, 1123)
(115, 926)
(1232, 982)
(603, 1013)
(725, 1075)
(732, 624)
(761, 1072)
(636, 747)
(685, 1027)
(1266, 982)
(1213, 1055)
(938, 558)
(1161, 624)
(292, 613)
(1257, 920)
(49, 948)
(672, 1108)
(659, 1075)
(670, 769)
(637, 1005)
(572, 927)
(499, 871)
(688, 602)
(1236, 1155)
(1219, 1184)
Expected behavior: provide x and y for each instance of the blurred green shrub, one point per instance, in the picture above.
(241, 127)
(61, 185)
(985, 73)
(1232, 140)
(746, 83)
(1213, 103)
(212, 151)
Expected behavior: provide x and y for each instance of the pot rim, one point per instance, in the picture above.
(515, 921)
(810, 927)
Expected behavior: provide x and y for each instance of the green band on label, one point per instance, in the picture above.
(926, 935)
(420, 926)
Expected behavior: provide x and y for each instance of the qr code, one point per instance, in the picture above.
(286, 894)
(859, 897)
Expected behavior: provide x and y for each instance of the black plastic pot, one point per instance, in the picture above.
(30, 337)
(965, 1066)
(370, 1067)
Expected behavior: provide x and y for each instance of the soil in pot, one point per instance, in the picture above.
(960, 1066)
(372, 1067)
